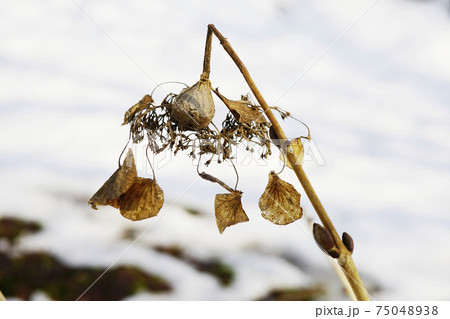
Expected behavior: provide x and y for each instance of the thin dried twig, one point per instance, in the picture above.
(215, 180)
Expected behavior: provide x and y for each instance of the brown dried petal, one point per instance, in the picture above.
(143, 200)
(131, 112)
(280, 202)
(229, 211)
(242, 111)
(295, 150)
(194, 108)
(117, 184)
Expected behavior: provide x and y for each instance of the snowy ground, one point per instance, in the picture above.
(370, 78)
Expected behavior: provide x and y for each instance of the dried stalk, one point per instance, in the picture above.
(345, 260)
(215, 180)
(2, 297)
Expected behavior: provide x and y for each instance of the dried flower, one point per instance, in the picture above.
(122, 179)
(143, 200)
(229, 211)
(194, 107)
(138, 107)
(325, 240)
(348, 242)
(280, 202)
(295, 150)
(242, 110)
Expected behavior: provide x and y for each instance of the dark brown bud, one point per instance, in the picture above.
(348, 242)
(325, 240)
(274, 137)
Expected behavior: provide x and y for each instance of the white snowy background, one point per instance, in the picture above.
(370, 78)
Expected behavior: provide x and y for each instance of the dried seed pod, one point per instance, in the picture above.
(228, 210)
(117, 184)
(143, 200)
(348, 242)
(242, 111)
(325, 240)
(280, 202)
(193, 108)
(294, 150)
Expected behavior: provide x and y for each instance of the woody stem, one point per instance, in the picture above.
(345, 259)
(207, 56)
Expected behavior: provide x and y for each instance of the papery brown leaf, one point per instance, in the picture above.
(229, 211)
(131, 112)
(242, 110)
(143, 200)
(295, 148)
(280, 202)
(117, 184)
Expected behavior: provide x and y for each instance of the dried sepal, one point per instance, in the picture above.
(131, 112)
(228, 210)
(242, 110)
(295, 151)
(280, 202)
(119, 182)
(143, 200)
(348, 242)
(325, 240)
(193, 108)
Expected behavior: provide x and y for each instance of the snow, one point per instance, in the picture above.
(377, 103)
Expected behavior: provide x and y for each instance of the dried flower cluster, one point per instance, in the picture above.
(184, 122)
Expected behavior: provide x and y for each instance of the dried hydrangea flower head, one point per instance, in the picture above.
(119, 182)
(193, 108)
(280, 202)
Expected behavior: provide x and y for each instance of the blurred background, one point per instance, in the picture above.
(370, 78)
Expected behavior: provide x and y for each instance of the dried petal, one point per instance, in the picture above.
(143, 200)
(280, 202)
(130, 114)
(117, 184)
(242, 110)
(295, 150)
(229, 211)
(348, 242)
(194, 108)
(325, 240)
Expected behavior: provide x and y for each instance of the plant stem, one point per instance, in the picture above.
(2, 297)
(207, 56)
(345, 259)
